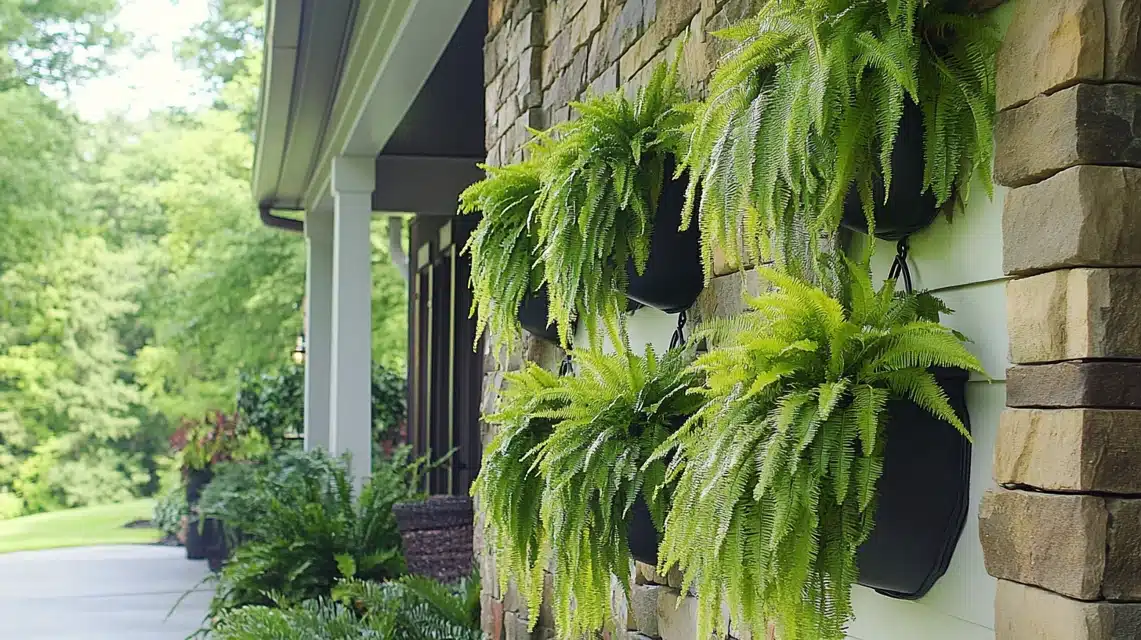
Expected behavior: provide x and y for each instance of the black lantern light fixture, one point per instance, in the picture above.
(299, 350)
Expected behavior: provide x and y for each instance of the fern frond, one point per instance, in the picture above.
(805, 108)
(775, 476)
(601, 178)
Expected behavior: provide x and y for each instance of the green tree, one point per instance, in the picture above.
(54, 42)
(68, 407)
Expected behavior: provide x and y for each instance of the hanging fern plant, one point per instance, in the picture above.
(510, 487)
(807, 106)
(619, 409)
(776, 475)
(502, 248)
(601, 183)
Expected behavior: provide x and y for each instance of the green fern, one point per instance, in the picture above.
(502, 248)
(807, 105)
(509, 488)
(618, 410)
(420, 608)
(775, 476)
(312, 619)
(601, 183)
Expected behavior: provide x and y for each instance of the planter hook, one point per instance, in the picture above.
(679, 333)
(899, 265)
(566, 367)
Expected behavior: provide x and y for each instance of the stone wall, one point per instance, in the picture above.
(1063, 534)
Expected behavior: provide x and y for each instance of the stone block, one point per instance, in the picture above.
(1123, 549)
(1084, 124)
(518, 628)
(555, 57)
(645, 573)
(1087, 450)
(630, 25)
(1050, 45)
(1075, 314)
(604, 51)
(496, 10)
(514, 601)
(491, 617)
(605, 83)
(586, 23)
(1102, 384)
(724, 296)
(644, 605)
(1123, 40)
(1057, 542)
(1023, 612)
(677, 616)
(546, 609)
(1083, 216)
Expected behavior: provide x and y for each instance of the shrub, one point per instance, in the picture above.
(408, 609)
(169, 510)
(304, 527)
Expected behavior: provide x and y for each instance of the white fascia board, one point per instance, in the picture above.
(401, 57)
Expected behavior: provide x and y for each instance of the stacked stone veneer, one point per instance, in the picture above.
(1063, 535)
(540, 55)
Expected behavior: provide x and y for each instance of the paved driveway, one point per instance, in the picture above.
(100, 593)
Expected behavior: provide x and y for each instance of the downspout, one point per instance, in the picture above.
(396, 245)
(277, 222)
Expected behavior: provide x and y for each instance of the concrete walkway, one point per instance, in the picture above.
(100, 593)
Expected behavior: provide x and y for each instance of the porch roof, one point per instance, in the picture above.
(398, 80)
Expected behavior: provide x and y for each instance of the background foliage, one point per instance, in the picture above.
(135, 278)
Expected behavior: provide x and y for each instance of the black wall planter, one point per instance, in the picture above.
(673, 277)
(533, 314)
(641, 533)
(909, 208)
(923, 496)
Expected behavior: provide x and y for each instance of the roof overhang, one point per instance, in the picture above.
(399, 80)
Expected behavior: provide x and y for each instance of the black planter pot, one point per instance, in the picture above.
(642, 534)
(908, 208)
(922, 496)
(196, 481)
(533, 314)
(197, 541)
(217, 550)
(673, 277)
(437, 535)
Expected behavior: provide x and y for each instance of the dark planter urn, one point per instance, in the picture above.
(673, 277)
(437, 535)
(197, 540)
(196, 481)
(908, 208)
(922, 496)
(216, 546)
(641, 533)
(533, 314)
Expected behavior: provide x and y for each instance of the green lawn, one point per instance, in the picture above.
(78, 527)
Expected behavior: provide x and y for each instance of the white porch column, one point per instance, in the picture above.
(318, 327)
(353, 180)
